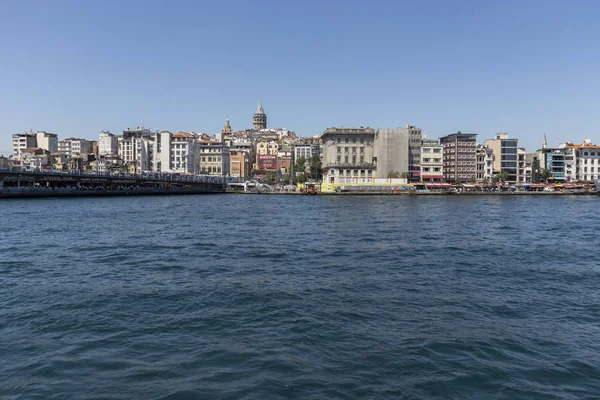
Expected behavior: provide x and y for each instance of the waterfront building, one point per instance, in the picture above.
(484, 163)
(185, 153)
(108, 144)
(582, 161)
(525, 166)
(238, 161)
(553, 159)
(460, 160)
(22, 141)
(392, 152)
(506, 158)
(432, 163)
(131, 147)
(47, 141)
(349, 154)
(415, 141)
(215, 158)
(260, 118)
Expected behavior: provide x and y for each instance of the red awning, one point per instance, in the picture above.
(415, 174)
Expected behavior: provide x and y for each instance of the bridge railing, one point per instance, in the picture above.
(149, 176)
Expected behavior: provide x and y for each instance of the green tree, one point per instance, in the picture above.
(316, 168)
(394, 175)
(300, 164)
(502, 176)
(272, 178)
(545, 174)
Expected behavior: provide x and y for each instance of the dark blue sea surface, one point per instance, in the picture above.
(295, 297)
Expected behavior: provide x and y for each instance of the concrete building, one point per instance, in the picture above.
(432, 163)
(506, 159)
(4, 162)
(484, 163)
(415, 140)
(260, 118)
(460, 160)
(305, 151)
(74, 146)
(238, 164)
(22, 141)
(284, 161)
(108, 144)
(349, 153)
(131, 145)
(582, 161)
(214, 158)
(185, 153)
(47, 141)
(525, 166)
(553, 159)
(392, 152)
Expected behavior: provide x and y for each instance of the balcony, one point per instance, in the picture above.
(344, 165)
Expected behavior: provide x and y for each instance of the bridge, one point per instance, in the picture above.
(19, 183)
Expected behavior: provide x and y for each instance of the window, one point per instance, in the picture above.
(354, 150)
(362, 159)
(362, 140)
(346, 140)
(436, 169)
(346, 159)
(339, 150)
(426, 169)
(346, 150)
(362, 150)
(353, 140)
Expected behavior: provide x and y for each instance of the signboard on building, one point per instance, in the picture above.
(266, 161)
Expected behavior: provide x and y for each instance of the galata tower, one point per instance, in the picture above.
(260, 118)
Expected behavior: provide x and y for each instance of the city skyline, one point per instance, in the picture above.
(524, 68)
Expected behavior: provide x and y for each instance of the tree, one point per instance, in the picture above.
(545, 174)
(316, 168)
(393, 175)
(502, 176)
(300, 164)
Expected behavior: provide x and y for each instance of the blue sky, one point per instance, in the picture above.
(523, 67)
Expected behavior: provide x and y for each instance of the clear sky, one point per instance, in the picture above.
(483, 66)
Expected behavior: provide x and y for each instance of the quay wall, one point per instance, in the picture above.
(37, 193)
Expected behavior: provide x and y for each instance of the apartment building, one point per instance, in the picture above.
(460, 160)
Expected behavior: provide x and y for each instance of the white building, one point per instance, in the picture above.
(484, 164)
(22, 141)
(73, 146)
(108, 144)
(582, 161)
(432, 161)
(185, 153)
